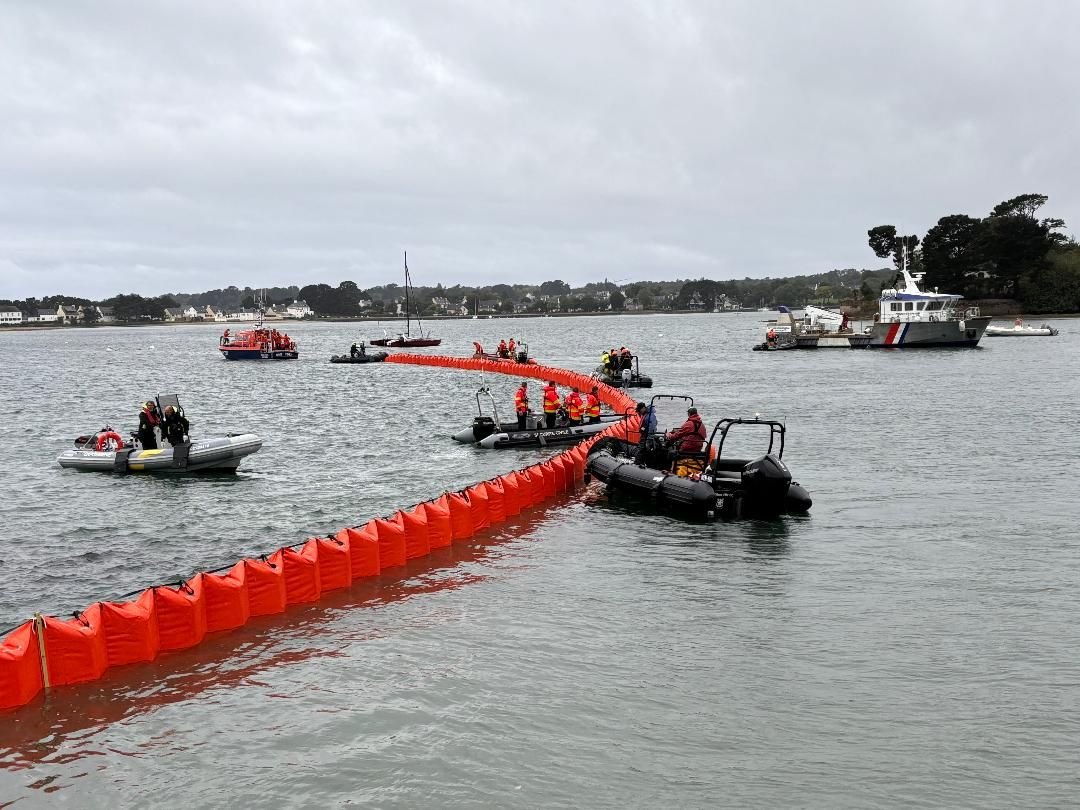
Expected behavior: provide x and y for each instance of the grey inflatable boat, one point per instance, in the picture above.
(108, 451)
(218, 454)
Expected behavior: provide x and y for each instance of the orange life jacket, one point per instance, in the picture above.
(573, 406)
(592, 405)
(521, 401)
(551, 400)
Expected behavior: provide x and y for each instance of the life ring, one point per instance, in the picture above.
(104, 440)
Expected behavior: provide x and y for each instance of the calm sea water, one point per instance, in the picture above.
(913, 642)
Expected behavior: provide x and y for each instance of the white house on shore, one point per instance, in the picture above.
(299, 309)
(43, 316)
(10, 316)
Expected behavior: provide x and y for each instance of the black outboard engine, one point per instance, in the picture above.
(765, 483)
(655, 452)
(482, 427)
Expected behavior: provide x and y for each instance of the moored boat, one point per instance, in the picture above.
(1019, 330)
(407, 340)
(912, 318)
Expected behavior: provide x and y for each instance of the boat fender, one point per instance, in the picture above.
(107, 437)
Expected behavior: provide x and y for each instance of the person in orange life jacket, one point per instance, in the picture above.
(592, 405)
(512, 346)
(691, 436)
(574, 407)
(770, 336)
(149, 418)
(224, 338)
(551, 403)
(521, 404)
(502, 348)
(624, 357)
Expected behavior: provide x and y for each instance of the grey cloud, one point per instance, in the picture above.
(181, 146)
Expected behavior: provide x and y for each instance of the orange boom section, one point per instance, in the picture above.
(48, 652)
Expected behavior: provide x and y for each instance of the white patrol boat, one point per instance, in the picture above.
(910, 317)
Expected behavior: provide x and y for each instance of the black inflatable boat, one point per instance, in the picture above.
(777, 346)
(372, 357)
(627, 377)
(490, 433)
(704, 485)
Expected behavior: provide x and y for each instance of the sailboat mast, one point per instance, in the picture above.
(407, 333)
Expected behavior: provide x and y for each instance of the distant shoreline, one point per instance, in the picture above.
(275, 324)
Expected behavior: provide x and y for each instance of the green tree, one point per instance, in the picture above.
(617, 300)
(885, 243)
(1056, 286)
(950, 250)
(588, 303)
(645, 298)
(556, 287)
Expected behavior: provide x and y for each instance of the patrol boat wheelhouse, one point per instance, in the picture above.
(910, 317)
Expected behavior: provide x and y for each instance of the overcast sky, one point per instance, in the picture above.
(155, 147)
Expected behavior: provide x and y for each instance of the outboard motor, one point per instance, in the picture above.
(655, 452)
(765, 482)
(482, 427)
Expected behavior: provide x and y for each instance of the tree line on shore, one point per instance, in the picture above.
(1011, 254)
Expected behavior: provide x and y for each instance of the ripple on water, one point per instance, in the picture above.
(912, 641)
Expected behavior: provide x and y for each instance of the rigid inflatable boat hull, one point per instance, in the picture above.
(372, 357)
(762, 489)
(484, 427)
(220, 454)
(542, 437)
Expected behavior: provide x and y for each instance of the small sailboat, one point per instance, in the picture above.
(407, 339)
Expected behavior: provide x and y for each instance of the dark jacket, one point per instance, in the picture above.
(147, 421)
(175, 428)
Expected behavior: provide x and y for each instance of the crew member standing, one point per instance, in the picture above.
(149, 418)
(551, 403)
(574, 407)
(175, 426)
(521, 404)
(592, 405)
(512, 345)
(502, 349)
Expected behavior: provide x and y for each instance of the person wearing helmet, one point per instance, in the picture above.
(174, 425)
(149, 418)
